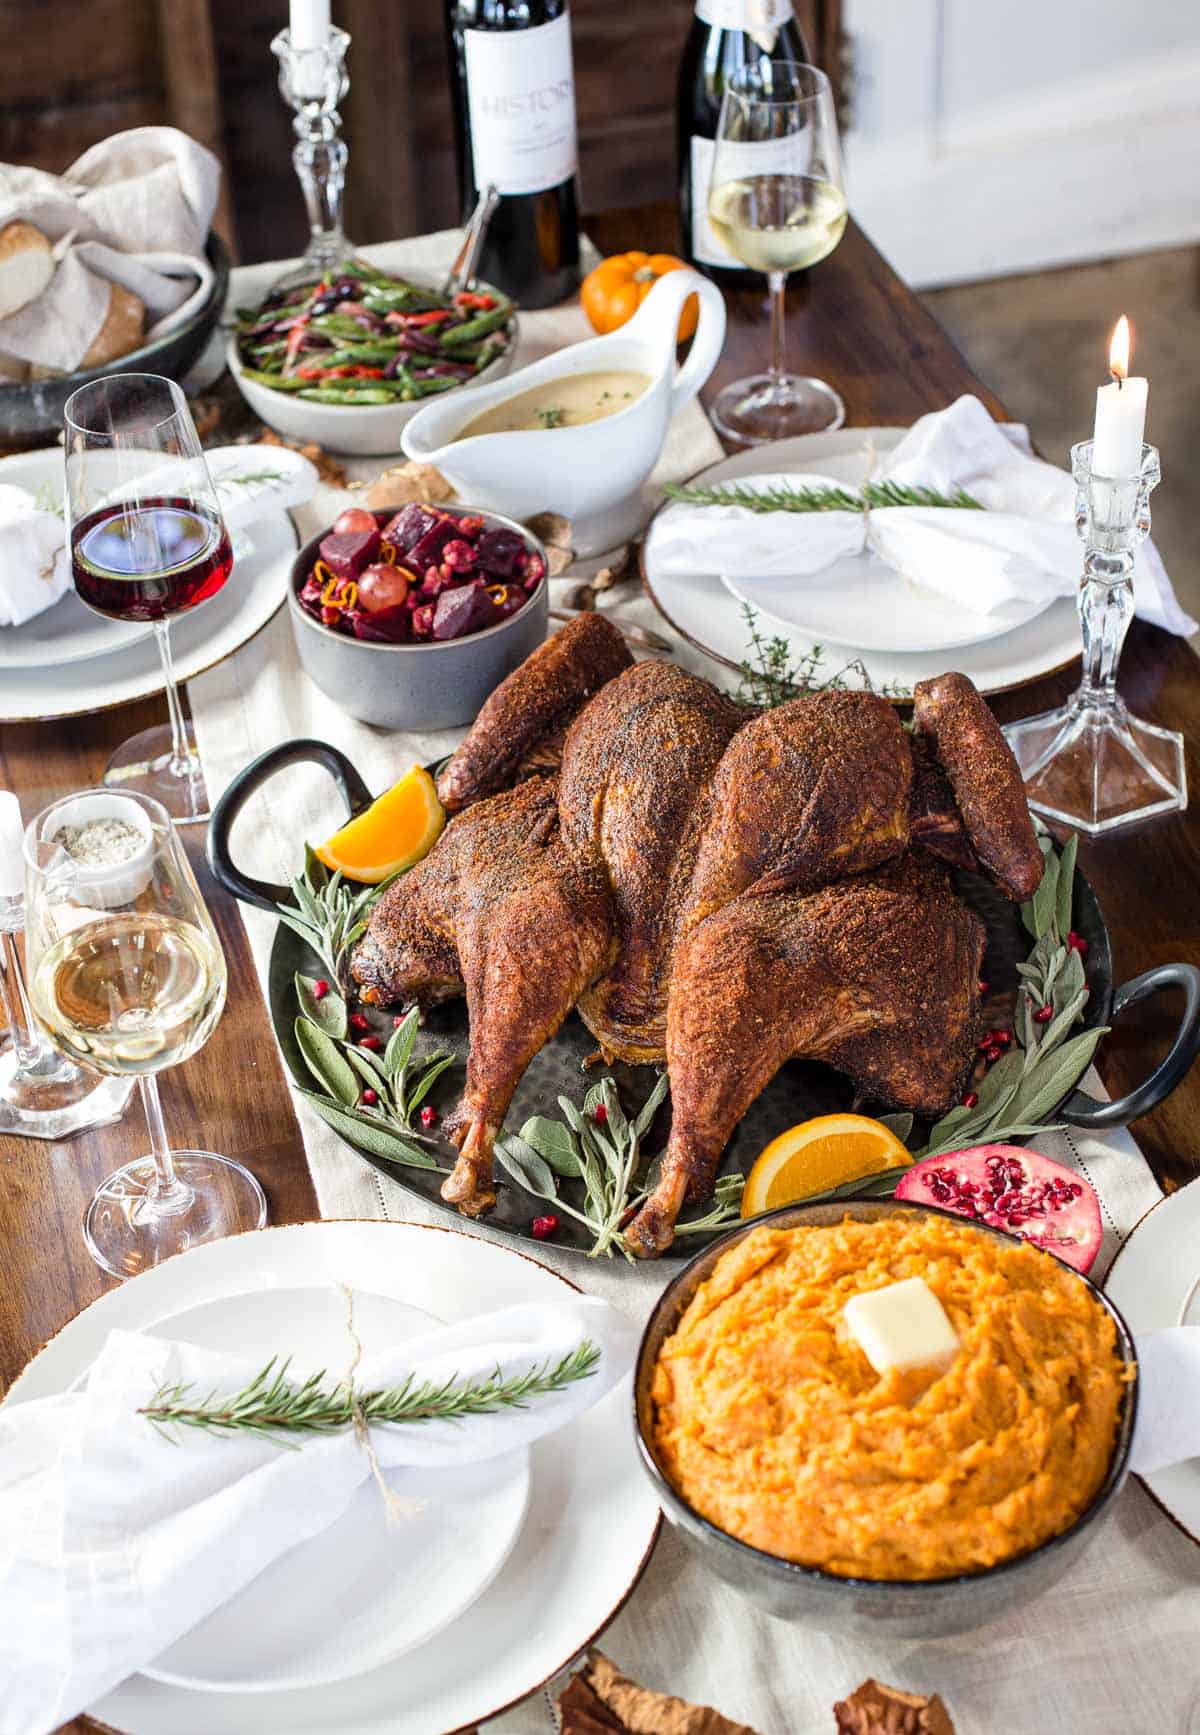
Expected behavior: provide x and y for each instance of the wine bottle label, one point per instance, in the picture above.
(760, 19)
(521, 102)
(764, 157)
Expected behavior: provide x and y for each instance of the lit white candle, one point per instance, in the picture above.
(308, 23)
(1120, 413)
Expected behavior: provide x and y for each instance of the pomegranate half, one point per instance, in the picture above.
(1009, 1187)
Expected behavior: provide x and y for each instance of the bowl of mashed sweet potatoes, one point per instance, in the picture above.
(928, 1501)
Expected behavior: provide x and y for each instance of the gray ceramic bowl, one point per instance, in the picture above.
(32, 409)
(877, 1608)
(437, 685)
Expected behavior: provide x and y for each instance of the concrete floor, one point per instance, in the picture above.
(1041, 343)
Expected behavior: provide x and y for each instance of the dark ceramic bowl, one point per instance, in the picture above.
(437, 685)
(878, 1608)
(33, 409)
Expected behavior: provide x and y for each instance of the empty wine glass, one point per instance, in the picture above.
(147, 542)
(127, 975)
(777, 201)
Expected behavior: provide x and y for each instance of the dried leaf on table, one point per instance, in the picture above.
(874, 1709)
(327, 468)
(206, 413)
(621, 571)
(404, 484)
(601, 1698)
(551, 528)
(558, 559)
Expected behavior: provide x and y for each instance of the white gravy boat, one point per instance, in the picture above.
(592, 474)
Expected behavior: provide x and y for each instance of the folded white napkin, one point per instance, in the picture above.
(1023, 548)
(34, 569)
(135, 210)
(1168, 1424)
(114, 1541)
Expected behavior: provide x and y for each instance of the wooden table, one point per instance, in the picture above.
(856, 324)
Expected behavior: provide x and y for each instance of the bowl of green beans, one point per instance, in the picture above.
(347, 360)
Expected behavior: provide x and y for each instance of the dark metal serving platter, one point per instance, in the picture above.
(800, 1090)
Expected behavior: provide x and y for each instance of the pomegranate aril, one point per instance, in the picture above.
(983, 986)
(370, 1097)
(971, 1098)
(1077, 943)
(600, 1114)
(1043, 1015)
(371, 1042)
(543, 1227)
(359, 1023)
(428, 1116)
(320, 989)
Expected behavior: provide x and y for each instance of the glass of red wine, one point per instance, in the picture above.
(147, 543)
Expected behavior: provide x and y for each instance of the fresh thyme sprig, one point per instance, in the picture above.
(784, 497)
(272, 1404)
(601, 1146)
(770, 677)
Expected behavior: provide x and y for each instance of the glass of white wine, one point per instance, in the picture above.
(127, 975)
(778, 202)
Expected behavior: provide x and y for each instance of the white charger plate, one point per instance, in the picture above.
(98, 678)
(590, 1528)
(1149, 1280)
(705, 613)
(863, 602)
(363, 1591)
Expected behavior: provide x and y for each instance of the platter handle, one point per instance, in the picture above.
(1081, 1110)
(263, 893)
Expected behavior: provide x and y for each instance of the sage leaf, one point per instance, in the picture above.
(900, 1124)
(554, 1143)
(644, 1119)
(327, 1011)
(400, 1043)
(1044, 903)
(1066, 885)
(1059, 1026)
(369, 1134)
(315, 871)
(426, 1082)
(999, 1087)
(369, 1069)
(1071, 981)
(525, 1166)
(324, 1060)
(1046, 1084)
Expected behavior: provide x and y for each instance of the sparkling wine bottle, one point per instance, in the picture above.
(514, 115)
(726, 35)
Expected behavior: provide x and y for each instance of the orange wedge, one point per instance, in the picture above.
(818, 1155)
(393, 833)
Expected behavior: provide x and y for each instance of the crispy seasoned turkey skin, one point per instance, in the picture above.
(877, 976)
(988, 790)
(934, 822)
(634, 794)
(531, 705)
(500, 910)
(809, 792)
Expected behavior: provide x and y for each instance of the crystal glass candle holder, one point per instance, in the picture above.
(1091, 763)
(313, 81)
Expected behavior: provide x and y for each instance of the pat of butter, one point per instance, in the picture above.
(902, 1326)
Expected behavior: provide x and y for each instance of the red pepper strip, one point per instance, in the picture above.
(433, 317)
(294, 341)
(483, 303)
(346, 372)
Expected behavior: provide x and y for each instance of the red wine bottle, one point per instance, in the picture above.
(726, 35)
(514, 122)
(150, 560)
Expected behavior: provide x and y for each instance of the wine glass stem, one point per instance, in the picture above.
(778, 284)
(169, 1194)
(182, 761)
(25, 1040)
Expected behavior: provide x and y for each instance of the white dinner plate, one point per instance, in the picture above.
(1150, 1281)
(704, 612)
(101, 678)
(363, 1591)
(587, 1535)
(861, 601)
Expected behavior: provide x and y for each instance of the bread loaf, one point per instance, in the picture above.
(122, 328)
(26, 266)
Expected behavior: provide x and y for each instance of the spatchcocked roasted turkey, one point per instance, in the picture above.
(708, 886)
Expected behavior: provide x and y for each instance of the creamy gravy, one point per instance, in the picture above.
(568, 402)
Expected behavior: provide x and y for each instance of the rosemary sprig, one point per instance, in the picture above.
(769, 676)
(783, 497)
(272, 1404)
(327, 913)
(601, 1146)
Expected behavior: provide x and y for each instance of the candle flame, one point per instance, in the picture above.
(1118, 350)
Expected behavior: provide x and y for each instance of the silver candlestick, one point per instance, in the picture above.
(1091, 763)
(313, 82)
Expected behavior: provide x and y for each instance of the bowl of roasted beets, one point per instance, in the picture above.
(409, 618)
(349, 360)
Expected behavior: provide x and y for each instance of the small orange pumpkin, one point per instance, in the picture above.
(613, 292)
